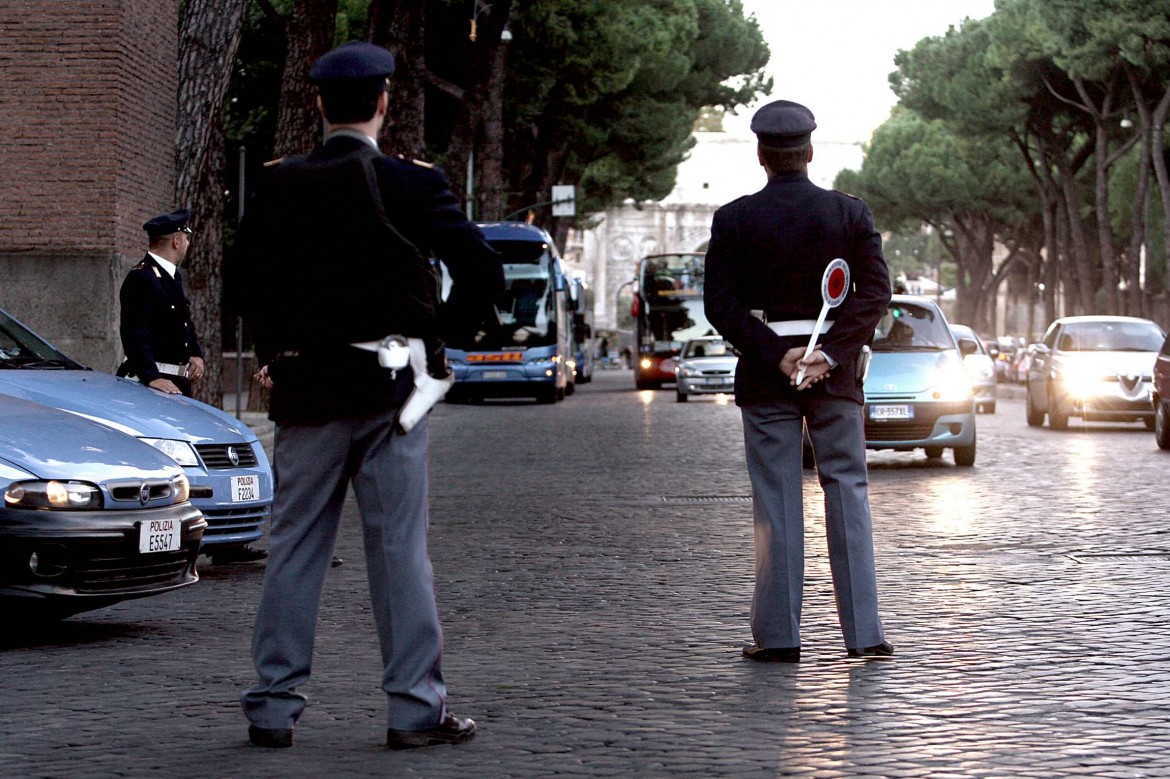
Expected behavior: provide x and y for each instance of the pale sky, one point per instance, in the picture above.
(835, 56)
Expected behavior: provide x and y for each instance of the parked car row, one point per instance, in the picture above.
(111, 489)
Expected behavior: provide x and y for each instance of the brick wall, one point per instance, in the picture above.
(86, 156)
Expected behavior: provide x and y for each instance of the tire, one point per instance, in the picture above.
(570, 388)
(1035, 418)
(1057, 419)
(965, 455)
(559, 394)
(644, 384)
(1162, 425)
(1149, 422)
(934, 452)
(681, 397)
(546, 395)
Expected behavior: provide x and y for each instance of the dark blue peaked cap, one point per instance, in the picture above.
(166, 224)
(783, 124)
(356, 59)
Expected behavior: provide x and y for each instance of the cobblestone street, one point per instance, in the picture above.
(594, 568)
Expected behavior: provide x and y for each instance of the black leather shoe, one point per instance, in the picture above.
(772, 654)
(336, 561)
(880, 652)
(238, 554)
(270, 738)
(452, 730)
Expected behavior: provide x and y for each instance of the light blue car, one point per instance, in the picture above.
(90, 516)
(918, 395)
(231, 480)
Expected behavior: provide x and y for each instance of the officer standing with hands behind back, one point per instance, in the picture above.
(162, 350)
(764, 265)
(333, 257)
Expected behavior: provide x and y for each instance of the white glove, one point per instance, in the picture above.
(427, 390)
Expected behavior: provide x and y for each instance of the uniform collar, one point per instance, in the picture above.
(346, 132)
(166, 265)
(796, 175)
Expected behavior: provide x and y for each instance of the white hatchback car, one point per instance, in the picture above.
(1098, 368)
(705, 366)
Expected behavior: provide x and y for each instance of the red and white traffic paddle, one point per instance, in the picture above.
(834, 286)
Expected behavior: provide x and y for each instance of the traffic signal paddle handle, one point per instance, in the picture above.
(812, 342)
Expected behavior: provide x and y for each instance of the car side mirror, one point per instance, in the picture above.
(1040, 349)
(967, 347)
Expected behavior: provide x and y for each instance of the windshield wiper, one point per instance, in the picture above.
(36, 364)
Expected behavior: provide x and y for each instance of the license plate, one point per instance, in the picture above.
(245, 488)
(495, 374)
(159, 535)
(891, 412)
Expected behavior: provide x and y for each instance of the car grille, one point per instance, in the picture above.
(898, 431)
(715, 373)
(218, 456)
(132, 491)
(98, 574)
(228, 521)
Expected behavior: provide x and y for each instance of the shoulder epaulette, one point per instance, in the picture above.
(846, 194)
(276, 161)
(420, 163)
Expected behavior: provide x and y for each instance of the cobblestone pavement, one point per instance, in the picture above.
(594, 568)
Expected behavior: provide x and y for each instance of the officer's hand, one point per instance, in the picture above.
(195, 369)
(165, 385)
(261, 376)
(816, 366)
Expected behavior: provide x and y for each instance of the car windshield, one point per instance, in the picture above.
(20, 348)
(1110, 337)
(911, 327)
(706, 349)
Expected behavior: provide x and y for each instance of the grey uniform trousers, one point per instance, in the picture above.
(313, 466)
(773, 441)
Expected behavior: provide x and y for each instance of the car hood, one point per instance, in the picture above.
(125, 405)
(51, 444)
(1108, 363)
(908, 372)
(708, 363)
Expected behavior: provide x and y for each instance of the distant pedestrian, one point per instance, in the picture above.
(764, 265)
(337, 243)
(162, 349)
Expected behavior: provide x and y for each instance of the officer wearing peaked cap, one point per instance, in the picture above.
(334, 254)
(162, 349)
(764, 265)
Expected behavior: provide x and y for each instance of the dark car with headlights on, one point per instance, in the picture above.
(1098, 368)
(231, 480)
(917, 393)
(90, 516)
(1161, 396)
(705, 366)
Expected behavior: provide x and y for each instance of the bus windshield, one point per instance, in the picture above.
(672, 296)
(526, 310)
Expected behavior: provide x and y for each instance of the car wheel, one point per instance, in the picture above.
(1035, 418)
(934, 452)
(965, 455)
(1057, 419)
(546, 395)
(1161, 425)
(560, 393)
(681, 397)
(570, 388)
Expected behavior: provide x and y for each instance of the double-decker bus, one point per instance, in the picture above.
(584, 339)
(527, 351)
(668, 311)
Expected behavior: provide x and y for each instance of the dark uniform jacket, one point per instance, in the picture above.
(336, 250)
(768, 252)
(156, 323)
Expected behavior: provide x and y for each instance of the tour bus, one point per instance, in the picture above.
(668, 311)
(527, 350)
(584, 339)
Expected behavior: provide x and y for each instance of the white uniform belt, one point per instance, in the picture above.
(372, 346)
(798, 326)
(171, 369)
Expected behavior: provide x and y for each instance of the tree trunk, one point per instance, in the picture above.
(401, 28)
(310, 34)
(490, 191)
(1077, 241)
(1157, 151)
(209, 36)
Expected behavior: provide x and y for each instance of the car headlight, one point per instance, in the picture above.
(646, 363)
(57, 495)
(181, 488)
(179, 451)
(952, 385)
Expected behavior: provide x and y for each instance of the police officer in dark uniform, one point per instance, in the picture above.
(764, 265)
(161, 347)
(333, 255)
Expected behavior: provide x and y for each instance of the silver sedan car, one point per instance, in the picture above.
(705, 366)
